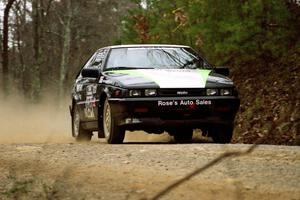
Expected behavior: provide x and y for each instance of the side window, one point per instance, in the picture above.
(88, 63)
(99, 58)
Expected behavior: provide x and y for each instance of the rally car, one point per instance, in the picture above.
(154, 88)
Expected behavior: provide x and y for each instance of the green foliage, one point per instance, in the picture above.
(18, 187)
(228, 32)
(259, 39)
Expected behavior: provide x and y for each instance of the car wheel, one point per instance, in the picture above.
(221, 133)
(112, 132)
(182, 135)
(77, 131)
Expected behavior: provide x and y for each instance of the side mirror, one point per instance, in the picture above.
(222, 70)
(90, 73)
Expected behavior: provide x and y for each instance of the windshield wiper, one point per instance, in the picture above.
(126, 68)
(190, 63)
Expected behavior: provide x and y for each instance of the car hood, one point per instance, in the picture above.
(166, 78)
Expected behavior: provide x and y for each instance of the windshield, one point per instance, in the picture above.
(154, 57)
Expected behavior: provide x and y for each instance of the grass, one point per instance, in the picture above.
(18, 187)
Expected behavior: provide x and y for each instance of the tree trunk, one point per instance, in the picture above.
(65, 49)
(35, 70)
(19, 24)
(5, 59)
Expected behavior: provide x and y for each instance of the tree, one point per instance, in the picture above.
(50, 40)
(66, 43)
(5, 56)
(228, 32)
(37, 54)
(258, 39)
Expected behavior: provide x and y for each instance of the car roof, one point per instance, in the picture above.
(144, 45)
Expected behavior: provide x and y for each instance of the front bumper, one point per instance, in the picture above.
(164, 112)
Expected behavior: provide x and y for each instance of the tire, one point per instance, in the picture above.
(182, 135)
(78, 132)
(112, 132)
(221, 133)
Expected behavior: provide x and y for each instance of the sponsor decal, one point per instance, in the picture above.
(89, 90)
(90, 102)
(78, 87)
(77, 97)
(197, 102)
(89, 107)
(182, 92)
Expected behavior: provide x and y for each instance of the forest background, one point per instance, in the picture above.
(46, 42)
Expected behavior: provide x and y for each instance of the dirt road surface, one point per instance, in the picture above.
(137, 170)
(40, 160)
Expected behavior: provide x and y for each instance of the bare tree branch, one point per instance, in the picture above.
(54, 33)
(198, 171)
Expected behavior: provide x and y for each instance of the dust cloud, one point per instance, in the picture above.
(48, 122)
(44, 122)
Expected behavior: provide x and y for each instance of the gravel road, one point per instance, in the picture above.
(136, 170)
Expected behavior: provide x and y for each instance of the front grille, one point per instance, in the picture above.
(181, 92)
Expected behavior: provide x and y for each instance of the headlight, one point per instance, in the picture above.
(211, 92)
(150, 92)
(225, 92)
(135, 93)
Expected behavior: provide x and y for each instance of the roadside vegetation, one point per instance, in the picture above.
(17, 187)
(258, 40)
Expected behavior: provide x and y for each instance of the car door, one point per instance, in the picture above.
(90, 88)
(82, 87)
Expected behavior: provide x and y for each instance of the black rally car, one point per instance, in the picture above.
(154, 88)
